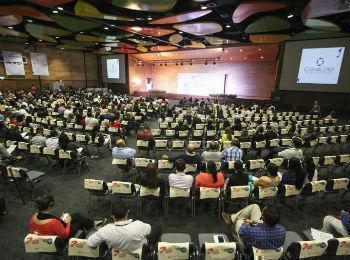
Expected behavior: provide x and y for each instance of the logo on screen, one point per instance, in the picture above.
(320, 62)
(319, 68)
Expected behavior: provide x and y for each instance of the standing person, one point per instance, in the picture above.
(316, 109)
(125, 234)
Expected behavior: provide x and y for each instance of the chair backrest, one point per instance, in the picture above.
(169, 132)
(81, 138)
(178, 144)
(165, 165)
(340, 184)
(92, 184)
(209, 193)
(344, 158)
(183, 133)
(22, 146)
(287, 142)
(123, 255)
(256, 164)
(277, 161)
(40, 244)
(239, 192)
(214, 251)
(226, 144)
(291, 190)
(149, 192)
(267, 254)
(317, 186)
(117, 161)
(306, 249)
(79, 247)
(179, 251)
(199, 126)
(274, 142)
(62, 154)
(196, 144)
(244, 145)
(35, 149)
(161, 143)
(141, 143)
(322, 140)
(142, 162)
(119, 187)
(260, 144)
(178, 192)
(211, 133)
(267, 192)
(156, 132)
(191, 167)
(339, 246)
(48, 151)
(329, 160)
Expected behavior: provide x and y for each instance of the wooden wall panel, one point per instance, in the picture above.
(65, 65)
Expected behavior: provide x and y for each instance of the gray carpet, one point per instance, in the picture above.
(70, 196)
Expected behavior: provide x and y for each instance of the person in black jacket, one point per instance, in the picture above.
(238, 176)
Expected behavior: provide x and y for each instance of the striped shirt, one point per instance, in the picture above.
(232, 154)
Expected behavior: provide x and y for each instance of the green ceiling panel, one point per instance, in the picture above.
(146, 5)
(70, 47)
(316, 34)
(14, 39)
(113, 37)
(43, 37)
(77, 44)
(9, 32)
(268, 24)
(45, 30)
(74, 24)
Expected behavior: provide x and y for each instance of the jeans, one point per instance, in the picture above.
(79, 222)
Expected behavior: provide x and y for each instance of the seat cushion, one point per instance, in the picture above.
(176, 238)
(209, 238)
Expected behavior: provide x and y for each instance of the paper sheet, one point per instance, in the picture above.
(319, 235)
(11, 148)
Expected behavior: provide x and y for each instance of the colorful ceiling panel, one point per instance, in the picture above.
(142, 49)
(176, 38)
(10, 20)
(317, 34)
(163, 48)
(320, 24)
(45, 30)
(268, 24)
(268, 38)
(183, 17)
(74, 24)
(114, 37)
(124, 51)
(201, 28)
(9, 32)
(70, 47)
(319, 8)
(83, 8)
(195, 45)
(141, 42)
(77, 44)
(50, 3)
(219, 41)
(24, 11)
(146, 5)
(14, 39)
(89, 38)
(156, 32)
(246, 9)
(43, 37)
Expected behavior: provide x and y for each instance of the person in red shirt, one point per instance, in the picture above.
(211, 178)
(45, 224)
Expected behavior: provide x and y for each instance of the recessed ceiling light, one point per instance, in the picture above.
(149, 18)
(290, 16)
(228, 26)
(29, 21)
(203, 7)
(55, 11)
(10, 27)
(226, 51)
(261, 57)
(57, 37)
(259, 49)
(245, 58)
(180, 32)
(62, 48)
(60, 8)
(96, 43)
(143, 37)
(26, 43)
(240, 50)
(40, 40)
(106, 28)
(231, 58)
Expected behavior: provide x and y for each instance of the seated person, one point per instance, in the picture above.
(213, 154)
(263, 234)
(5, 157)
(233, 153)
(270, 134)
(146, 135)
(122, 152)
(189, 156)
(331, 115)
(125, 234)
(3, 209)
(337, 225)
(211, 178)
(295, 174)
(238, 177)
(45, 224)
(180, 179)
(310, 135)
(68, 145)
(293, 151)
(39, 139)
(272, 179)
(52, 142)
(150, 178)
(259, 135)
(227, 136)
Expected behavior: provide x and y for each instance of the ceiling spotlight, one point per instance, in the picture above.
(290, 16)
(240, 50)
(180, 32)
(245, 58)
(231, 58)
(204, 7)
(137, 64)
(55, 11)
(40, 40)
(259, 49)
(143, 37)
(149, 18)
(10, 27)
(62, 48)
(26, 43)
(261, 57)
(161, 64)
(206, 63)
(81, 32)
(60, 8)
(29, 21)
(228, 26)
(226, 51)
(106, 28)
(96, 43)
(57, 37)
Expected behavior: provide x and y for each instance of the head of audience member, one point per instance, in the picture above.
(151, 170)
(228, 133)
(332, 114)
(211, 169)
(45, 203)
(213, 146)
(39, 131)
(190, 148)
(53, 133)
(260, 130)
(268, 128)
(180, 165)
(119, 212)
(235, 142)
(297, 142)
(272, 170)
(271, 215)
(120, 143)
(63, 141)
(310, 129)
(238, 166)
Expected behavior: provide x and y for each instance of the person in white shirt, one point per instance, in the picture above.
(90, 120)
(180, 179)
(39, 139)
(125, 234)
(67, 112)
(52, 142)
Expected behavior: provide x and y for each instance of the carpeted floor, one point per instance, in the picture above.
(70, 196)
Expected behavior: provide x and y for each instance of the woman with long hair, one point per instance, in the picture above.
(295, 175)
(150, 178)
(210, 179)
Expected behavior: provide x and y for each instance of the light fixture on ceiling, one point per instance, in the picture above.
(81, 32)
(161, 64)
(57, 37)
(40, 40)
(261, 57)
(149, 18)
(180, 32)
(290, 16)
(96, 43)
(245, 58)
(226, 51)
(231, 58)
(106, 28)
(10, 27)
(62, 48)
(241, 50)
(60, 8)
(55, 11)
(228, 26)
(204, 7)
(259, 49)
(26, 43)
(143, 37)
(29, 21)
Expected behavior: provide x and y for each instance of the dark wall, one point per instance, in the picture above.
(118, 87)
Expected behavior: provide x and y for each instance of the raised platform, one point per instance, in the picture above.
(181, 96)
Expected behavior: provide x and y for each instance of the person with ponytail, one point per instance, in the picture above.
(45, 224)
(211, 178)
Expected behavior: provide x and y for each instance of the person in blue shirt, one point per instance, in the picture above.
(256, 228)
(337, 225)
(122, 152)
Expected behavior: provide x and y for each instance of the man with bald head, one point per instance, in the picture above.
(122, 152)
(189, 156)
